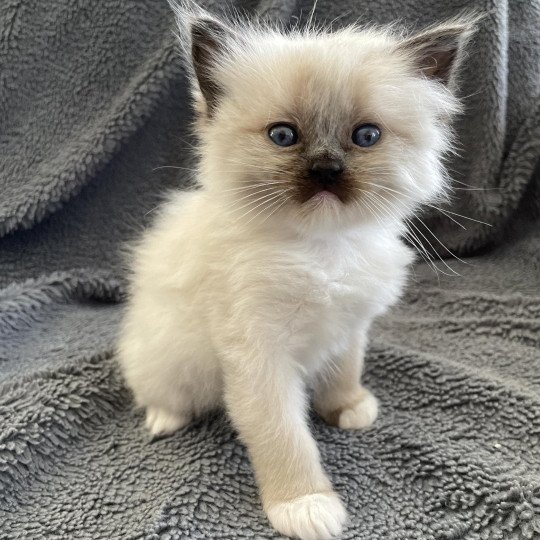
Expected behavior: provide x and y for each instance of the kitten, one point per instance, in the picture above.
(314, 149)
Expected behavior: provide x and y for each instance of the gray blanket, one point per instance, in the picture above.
(93, 105)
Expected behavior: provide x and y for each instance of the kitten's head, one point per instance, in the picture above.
(323, 130)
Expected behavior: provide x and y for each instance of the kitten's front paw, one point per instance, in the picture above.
(161, 422)
(361, 414)
(318, 516)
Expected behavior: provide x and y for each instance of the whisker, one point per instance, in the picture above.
(411, 223)
(462, 216)
(249, 203)
(184, 141)
(252, 186)
(174, 167)
(413, 238)
(258, 192)
(454, 181)
(275, 196)
(411, 234)
(275, 209)
(426, 204)
(372, 207)
(453, 188)
(443, 211)
(152, 210)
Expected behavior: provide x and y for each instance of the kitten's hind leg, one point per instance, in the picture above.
(340, 398)
(162, 422)
(175, 378)
(176, 396)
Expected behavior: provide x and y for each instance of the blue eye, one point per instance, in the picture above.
(283, 135)
(366, 135)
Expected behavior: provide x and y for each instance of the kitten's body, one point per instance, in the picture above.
(308, 298)
(242, 306)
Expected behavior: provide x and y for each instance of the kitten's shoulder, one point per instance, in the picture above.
(177, 230)
(179, 205)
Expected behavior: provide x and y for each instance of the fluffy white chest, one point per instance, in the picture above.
(336, 293)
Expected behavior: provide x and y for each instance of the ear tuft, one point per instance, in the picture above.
(208, 42)
(437, 49)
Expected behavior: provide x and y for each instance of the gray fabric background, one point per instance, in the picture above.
(92, 99)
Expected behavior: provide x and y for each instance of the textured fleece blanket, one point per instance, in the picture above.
(93, 112)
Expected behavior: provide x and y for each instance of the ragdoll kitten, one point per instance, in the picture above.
(314, 148)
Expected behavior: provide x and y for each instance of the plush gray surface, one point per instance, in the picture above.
(92, 100)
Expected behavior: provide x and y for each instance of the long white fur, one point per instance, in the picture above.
(246, 308)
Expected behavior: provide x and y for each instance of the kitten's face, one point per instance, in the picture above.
(324, 132)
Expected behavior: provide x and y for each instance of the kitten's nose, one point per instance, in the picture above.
(326, 171)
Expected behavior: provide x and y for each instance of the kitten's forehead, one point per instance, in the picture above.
(323, 82)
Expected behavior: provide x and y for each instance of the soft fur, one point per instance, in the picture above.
(257, 285)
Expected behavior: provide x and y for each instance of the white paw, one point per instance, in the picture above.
(360, 415)
(319, 516)
(162, 422)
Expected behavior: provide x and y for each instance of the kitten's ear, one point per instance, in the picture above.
(209, 39)
(436, 49)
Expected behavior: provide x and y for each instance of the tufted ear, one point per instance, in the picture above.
(436, 49)
(208, 43)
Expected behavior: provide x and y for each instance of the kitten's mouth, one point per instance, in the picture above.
(323, 195)
(325, 189)
(322, 191)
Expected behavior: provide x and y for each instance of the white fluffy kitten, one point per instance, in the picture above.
(314, 148)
